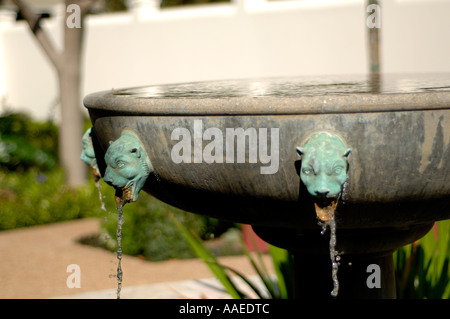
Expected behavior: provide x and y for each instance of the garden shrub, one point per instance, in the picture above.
(423, 268)
(33, 192)
(149, 230)
(35, 198)
(26, 144)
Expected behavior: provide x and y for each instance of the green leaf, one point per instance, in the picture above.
(279, 258)
(248, 282)
(422, 268)
(263, 275)
(210, 260)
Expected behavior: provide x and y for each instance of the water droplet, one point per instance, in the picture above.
(102, 203)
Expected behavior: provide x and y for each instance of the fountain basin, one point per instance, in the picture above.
(399, 169)
(395, 131)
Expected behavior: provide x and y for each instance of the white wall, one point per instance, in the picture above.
(29, 80)
(251, 38)
(416, 36)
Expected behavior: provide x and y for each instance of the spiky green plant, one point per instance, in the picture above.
(422, 268)
(278, 289)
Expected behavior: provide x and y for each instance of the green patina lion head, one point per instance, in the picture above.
(88, 153)
(324, 165)
(127, 166)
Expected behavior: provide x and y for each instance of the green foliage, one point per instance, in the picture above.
(209, 258)
(34, 198)
(33, 192)
(283, 264)
(114, 5)
(148, 230)
(275, 290)
(422, 268)
(26, 144)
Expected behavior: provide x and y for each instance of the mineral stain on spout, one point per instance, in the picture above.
(325, 213)
(124, 195)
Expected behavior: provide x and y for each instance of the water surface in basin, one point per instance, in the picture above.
(294, 87)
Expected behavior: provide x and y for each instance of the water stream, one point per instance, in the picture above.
(120, 203)
(334, 254)
(327, 220)
(102, 203)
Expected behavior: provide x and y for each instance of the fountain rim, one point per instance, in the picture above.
(346, 94)
(109, 101)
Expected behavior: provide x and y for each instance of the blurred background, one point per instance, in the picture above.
(145, 42)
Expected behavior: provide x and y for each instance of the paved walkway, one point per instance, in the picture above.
(34, 264)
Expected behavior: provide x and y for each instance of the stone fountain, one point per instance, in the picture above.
(288, 155)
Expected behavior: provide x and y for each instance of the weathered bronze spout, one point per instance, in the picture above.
(88, 154)
(127, 166)
(324, 170)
